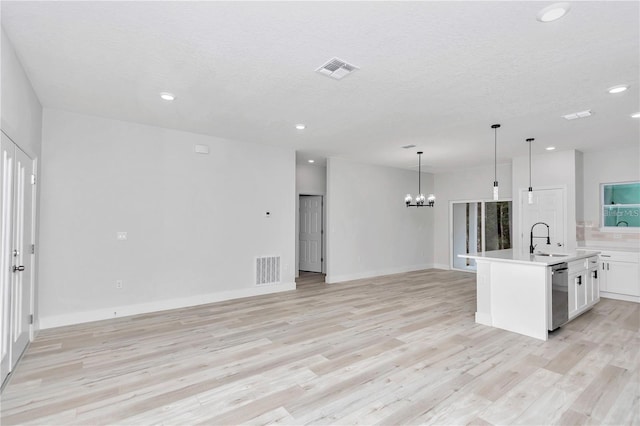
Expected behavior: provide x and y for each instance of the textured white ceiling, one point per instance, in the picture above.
(433, 74)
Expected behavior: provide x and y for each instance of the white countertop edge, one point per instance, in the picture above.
(611, 248)
(510, 256)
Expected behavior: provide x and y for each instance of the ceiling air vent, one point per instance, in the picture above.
(408, 146)
(336, 69)
(575, 115)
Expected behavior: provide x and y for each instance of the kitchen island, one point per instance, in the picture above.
(514, 289)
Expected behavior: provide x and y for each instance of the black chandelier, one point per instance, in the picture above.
(420, 198)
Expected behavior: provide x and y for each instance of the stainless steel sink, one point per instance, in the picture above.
(551, 254)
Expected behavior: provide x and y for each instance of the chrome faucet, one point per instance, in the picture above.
(531, 237)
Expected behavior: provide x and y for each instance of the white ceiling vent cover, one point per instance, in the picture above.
(337, 69)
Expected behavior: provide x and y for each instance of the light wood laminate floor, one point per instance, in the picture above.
(399, 349)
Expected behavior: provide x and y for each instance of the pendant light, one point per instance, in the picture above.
(420, 199)
(495, 128)
(530, 188)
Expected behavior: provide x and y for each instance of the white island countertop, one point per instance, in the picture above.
(538, 258)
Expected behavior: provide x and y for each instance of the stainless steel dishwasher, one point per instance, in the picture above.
(559, 295)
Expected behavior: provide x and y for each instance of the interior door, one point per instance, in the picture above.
(547, 207)
(7, 151)
(22, 269)
(311, 233)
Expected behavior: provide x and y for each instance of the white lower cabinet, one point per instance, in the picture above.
(583, 288)
(620, 275)
(593, 281)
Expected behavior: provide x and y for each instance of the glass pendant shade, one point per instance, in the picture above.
(495, 191)
(530, 200)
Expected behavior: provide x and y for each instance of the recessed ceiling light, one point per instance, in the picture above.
(300, 126)
(636, 115)
(553, 12)
(167, 96)
(550, 148)
(311, 161)
(618, 89)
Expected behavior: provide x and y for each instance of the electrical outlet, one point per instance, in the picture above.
(121, 236)
(118, 283)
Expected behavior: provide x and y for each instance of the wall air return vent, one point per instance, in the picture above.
(267, 270)
(336, 69)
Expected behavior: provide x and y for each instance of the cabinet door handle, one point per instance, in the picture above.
(579, 279)
(607, 266)
(595, 274)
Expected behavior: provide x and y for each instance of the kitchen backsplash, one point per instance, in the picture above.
(588, 234)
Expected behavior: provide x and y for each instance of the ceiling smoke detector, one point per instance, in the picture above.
(337, 69)
(575, 115)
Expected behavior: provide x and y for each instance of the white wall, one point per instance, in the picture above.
(21, 111)
(21, 121)
(370, 230)
(606, 166)
(463, 185)
(310, 180)
(195, 222)
(550, 169)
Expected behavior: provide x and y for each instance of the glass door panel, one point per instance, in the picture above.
(479, 226)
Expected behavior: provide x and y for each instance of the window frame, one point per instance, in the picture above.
(616, 229)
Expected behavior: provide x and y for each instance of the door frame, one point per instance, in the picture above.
(323, 244)
(33, 221)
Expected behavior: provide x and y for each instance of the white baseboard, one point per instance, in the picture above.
(484, 319)
(618, 296)
(330, 279)
(441, 266)
(52, 321)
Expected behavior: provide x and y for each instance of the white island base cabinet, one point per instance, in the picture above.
(514, 297)
(514, 289)
(584, 285)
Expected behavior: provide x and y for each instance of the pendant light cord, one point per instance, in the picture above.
(529, 142)
(495, 128)
(529, 164)
(419, 172)
(495, 155)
